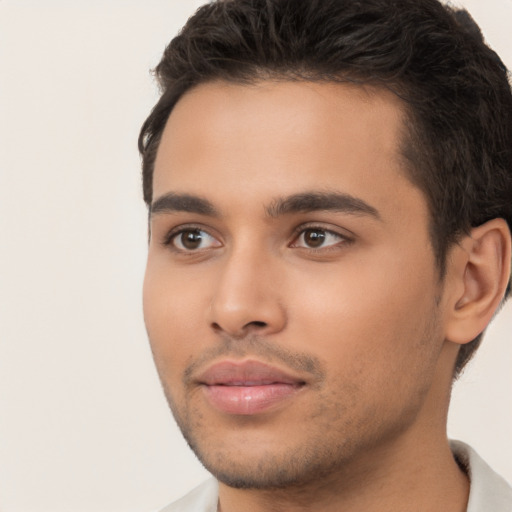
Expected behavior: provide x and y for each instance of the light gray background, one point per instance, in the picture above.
(83, 423)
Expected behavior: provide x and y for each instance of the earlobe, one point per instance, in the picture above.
(479, 274)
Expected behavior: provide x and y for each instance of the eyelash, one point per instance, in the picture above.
(301, 230)
(174, 233)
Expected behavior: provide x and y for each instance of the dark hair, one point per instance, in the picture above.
(455, 88)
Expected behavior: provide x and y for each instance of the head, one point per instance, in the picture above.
(419, 69)
(458, 138)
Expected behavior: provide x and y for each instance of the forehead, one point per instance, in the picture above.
(281, 137)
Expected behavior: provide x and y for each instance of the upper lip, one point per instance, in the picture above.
(246, 373)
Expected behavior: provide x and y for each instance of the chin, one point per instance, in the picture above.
(249, 466)
(266, 473)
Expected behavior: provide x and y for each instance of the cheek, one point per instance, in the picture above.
(379, 352)
(371, 318)
(171, 312)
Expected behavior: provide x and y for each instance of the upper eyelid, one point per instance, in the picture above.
(173, 232)
(341, 239)
(329, 228)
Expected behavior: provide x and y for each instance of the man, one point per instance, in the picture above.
(330, 193)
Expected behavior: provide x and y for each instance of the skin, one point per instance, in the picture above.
(359, 317)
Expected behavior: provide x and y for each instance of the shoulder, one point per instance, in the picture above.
(488, 491)
(201, 499)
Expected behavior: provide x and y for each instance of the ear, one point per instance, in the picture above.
(477, 276)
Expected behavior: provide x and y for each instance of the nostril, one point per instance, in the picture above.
(253, 326)
(256, 323)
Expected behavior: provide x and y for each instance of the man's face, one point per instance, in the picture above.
(291, 295)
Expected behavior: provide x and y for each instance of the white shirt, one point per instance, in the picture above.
(489, 492)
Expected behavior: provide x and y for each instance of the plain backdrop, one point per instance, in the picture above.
(83, 423)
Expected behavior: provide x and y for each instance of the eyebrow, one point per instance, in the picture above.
(318, 201)
(172, 202)
(297, 203)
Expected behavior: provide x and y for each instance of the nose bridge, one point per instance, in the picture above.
(246, 292)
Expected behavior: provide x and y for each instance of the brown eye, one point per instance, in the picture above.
(191, 239)
(194, 239)
(318, 238)
(314, 237)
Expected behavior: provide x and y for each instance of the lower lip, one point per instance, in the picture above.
(247, 400)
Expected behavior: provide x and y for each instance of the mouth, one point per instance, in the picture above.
(247, 387)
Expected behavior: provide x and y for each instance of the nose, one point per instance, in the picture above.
(247, 296)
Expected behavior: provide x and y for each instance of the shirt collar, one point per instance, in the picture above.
(488, 490)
